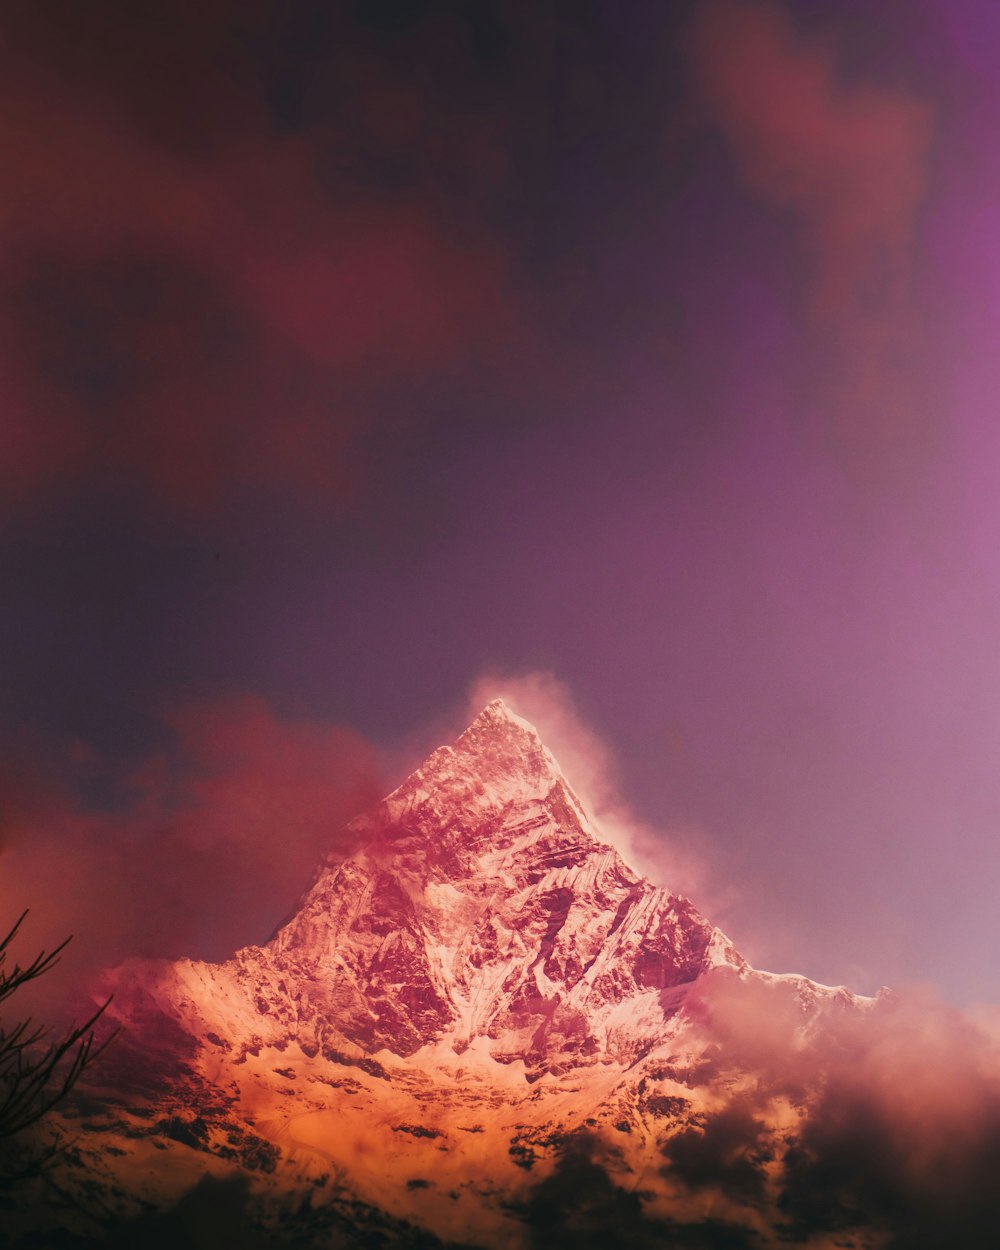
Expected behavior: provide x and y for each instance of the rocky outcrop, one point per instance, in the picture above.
(482, 996)
(482, 905)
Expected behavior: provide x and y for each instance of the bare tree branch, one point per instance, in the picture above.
(36, 1073)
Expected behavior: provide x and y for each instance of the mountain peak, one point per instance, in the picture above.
(501, 748)
(496, 716)
(482, 906)
(499, 764)
(482, 964)
(497, 710)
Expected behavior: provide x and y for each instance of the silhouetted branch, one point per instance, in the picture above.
(36, 1074)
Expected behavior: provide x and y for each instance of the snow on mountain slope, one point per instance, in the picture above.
(482, 982)
(483, 908)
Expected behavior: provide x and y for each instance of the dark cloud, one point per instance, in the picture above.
(896, 1124)
(580, 1205)
(234, 236)
(197, 301)
(727, 1152)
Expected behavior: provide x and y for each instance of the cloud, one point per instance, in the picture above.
(726, 1152)
(201, 848)
(204, 309)
(848, 162)
(889, 1116)
(580, 1204)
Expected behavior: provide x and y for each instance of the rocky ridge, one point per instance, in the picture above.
(482, 909)
(484, 988)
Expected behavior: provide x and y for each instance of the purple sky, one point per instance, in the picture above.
(349, 353)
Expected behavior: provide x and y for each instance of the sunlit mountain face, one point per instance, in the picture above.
(484, 1028)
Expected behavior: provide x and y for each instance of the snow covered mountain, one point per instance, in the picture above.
(483, 996)
(483, 910)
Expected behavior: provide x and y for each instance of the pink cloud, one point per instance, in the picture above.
(198, 328)
(849, 163)
(206, 846)
(896, 1113)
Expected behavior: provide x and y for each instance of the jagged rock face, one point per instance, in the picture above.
(483, 905)
(481, 992)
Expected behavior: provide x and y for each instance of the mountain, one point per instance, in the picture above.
(480, 1005)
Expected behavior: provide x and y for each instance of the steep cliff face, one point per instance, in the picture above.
(482, 909)
(483, 996)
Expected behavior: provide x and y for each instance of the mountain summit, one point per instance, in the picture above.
(482, 986)
(483, 910)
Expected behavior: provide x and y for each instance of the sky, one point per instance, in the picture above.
(358, 361)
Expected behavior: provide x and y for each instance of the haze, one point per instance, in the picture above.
(354, 358)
